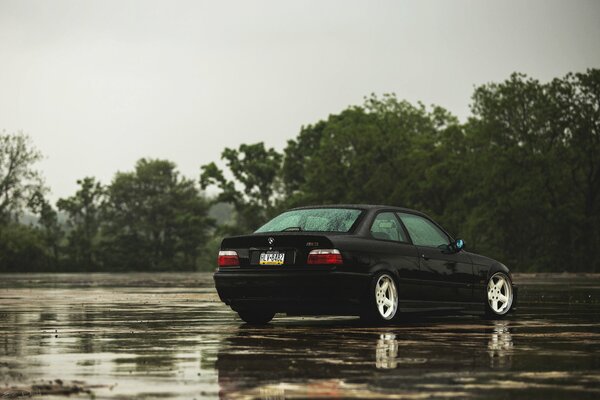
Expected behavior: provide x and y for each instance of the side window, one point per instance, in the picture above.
(386, 227)
(422, 231)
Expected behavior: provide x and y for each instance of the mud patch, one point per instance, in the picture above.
(49, 388)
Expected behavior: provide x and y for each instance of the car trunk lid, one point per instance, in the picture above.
(276, 249)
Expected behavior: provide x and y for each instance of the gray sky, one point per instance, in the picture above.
(100, 84)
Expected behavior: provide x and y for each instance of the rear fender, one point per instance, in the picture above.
(497, 267)
(385, 267)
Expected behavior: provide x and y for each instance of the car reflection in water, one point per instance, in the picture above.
(336, 361)
(500, 346)
(386, 353)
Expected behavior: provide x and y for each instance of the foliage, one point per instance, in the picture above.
(19, 182)
(21, 249)
(83, 223)
(256, 169)
(149, 219)
(540, 144)
(50, 231)
(155, 219)
(519, 181)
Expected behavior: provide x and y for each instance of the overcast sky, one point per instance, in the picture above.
(100, 84)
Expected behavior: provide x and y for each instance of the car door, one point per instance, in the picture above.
(446, 276)
(391, 248)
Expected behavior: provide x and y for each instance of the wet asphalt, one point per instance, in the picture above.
(163, 336)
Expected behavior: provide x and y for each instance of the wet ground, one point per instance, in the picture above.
(168, 336)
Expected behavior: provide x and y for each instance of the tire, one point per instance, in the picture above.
(382, 300)
(256, 317)
(499, 296)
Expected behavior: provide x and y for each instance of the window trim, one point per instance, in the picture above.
(450, 238)
(401, 225)
(352, 230)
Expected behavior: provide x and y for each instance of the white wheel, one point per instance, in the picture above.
(499, 294)
(386, 297)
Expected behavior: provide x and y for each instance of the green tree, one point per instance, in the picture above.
(21, 249)
(155, 219)
(50, 231)
(508, 137)
(19, 182)
(297, 154)
(83, 212)
(539, 144)
(257, 170)
(576, 108)
(372, 153)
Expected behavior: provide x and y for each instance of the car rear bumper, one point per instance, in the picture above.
(313, 291)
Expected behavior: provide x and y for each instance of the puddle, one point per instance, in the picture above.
(168, 336)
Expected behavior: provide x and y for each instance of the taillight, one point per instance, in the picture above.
(325, 257)
(228, 258)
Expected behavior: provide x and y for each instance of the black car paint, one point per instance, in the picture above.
(427, 278)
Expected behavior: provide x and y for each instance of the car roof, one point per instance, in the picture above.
(361, 206)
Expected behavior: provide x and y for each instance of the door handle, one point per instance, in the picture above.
(424, 257)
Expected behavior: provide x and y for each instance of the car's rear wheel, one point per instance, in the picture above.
(382, 303)
(499, 295)
(256, 317)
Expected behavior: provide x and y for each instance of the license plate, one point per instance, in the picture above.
(271, 258)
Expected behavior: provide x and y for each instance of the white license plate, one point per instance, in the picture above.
(271, 258)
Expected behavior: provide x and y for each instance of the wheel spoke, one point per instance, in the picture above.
(499, 284)
(385, 285)
(503, 298)
(495, 304)
(388, 302)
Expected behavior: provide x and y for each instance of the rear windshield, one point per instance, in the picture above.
(313, 220)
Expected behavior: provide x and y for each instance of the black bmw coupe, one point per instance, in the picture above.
(371, 261)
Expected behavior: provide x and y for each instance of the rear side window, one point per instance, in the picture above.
(422, 231)
(386, 227)
(313, 220)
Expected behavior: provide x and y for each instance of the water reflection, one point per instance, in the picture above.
(290, 361)
(179, 341)
(386, 351)
(500, 346)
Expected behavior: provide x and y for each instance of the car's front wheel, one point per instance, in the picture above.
(499, 295)
(256, 317)
(382, 302)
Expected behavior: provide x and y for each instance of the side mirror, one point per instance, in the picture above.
(453, 247)
(458, 245)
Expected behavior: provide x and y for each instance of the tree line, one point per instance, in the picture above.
(519, 180)
(149, 219)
